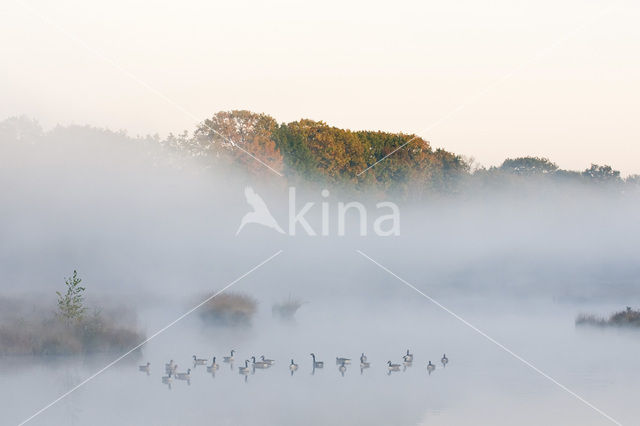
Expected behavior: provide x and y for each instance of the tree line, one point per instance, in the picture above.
(314, 151)
(308, 151)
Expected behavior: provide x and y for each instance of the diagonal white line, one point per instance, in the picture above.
(500, 81)
(494, 341)
(162, 330)
(389, 154)
(136, 79)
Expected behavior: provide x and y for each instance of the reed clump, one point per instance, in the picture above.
(230, 309)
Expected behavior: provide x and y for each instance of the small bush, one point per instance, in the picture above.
(71, 304)
(230, 309)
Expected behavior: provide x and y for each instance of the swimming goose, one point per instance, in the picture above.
(293, 367)
(167, 379)
(408, 357)
(317, 364)
(172, 370)
(229, 358)
(199, 361)
(259, 364)
(268, 361)
(430, 367)
(184, 376)
(444, 360)
(340, 360)
(145, 368)
(171, 367)
(244, 370)
(363, 362)
(213, 367)
(393, 367)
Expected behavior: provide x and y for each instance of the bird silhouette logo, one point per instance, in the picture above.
(260, 214)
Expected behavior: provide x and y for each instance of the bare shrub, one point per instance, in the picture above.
(286, 309)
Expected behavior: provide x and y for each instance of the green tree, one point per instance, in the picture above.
(71, 304)
(528, 166)
(602, 174)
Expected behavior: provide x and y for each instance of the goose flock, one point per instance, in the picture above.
(250, 365)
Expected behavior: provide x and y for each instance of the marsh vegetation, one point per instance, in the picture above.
(72, 328)
(628, 317)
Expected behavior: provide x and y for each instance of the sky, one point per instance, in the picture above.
(486, 80)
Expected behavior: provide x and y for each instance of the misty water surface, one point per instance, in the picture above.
(155, 237)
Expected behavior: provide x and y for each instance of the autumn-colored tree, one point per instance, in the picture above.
(243, 137)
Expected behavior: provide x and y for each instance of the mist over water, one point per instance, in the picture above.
(145, 233)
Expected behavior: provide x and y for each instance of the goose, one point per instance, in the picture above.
(444, 360)
(169, 367)
(145, 368)
(340, 360)
(293, 367)
(268, 361)
(406, 364)
(184, 376)
(229, 358)
(408, 357)
(213, 367)
(317, 364)
(199, 361)
(363, 362)
(167, 379)
(244, 370)
(430, 367)
(393, 367)
(259, 364)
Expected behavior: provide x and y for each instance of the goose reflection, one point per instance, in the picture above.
(392, 367)
(342, 369)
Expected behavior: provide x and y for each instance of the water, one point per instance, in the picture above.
(482, 384)
(519, 265)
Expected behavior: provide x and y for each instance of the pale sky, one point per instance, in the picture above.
(559, 79)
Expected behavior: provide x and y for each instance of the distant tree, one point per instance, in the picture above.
(567, 176)
(602, 174)
(241, 135)
(528, 166)
(71, 304)
(297, 157)
(632, 183)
